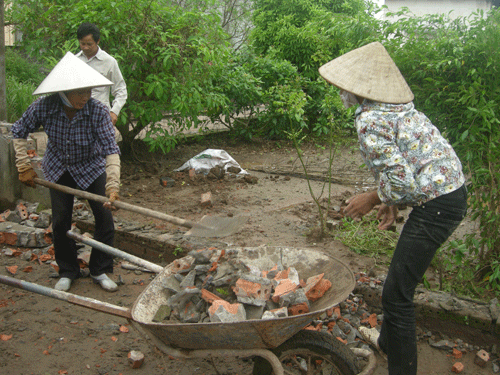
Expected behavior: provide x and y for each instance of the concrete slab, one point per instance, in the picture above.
(11, 190)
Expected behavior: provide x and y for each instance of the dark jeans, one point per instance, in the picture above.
(427, 228)
(64, 247)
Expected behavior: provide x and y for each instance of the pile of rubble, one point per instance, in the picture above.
(25, 226)
(218, 287)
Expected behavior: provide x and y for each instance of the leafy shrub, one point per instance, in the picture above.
(22, 79)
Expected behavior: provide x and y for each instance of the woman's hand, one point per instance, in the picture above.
(387, 216)
(359, 205)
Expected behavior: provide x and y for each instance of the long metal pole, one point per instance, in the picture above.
(114, 251)
(68, 297)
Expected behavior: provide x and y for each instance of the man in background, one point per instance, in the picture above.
(89, 36)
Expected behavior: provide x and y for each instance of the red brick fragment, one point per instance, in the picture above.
(301, 308)
(255, 290)
(342, 340)
(372, 320)
(209, 296)
(192, 174)
(135, 358)
(284, 287)
(317, 291)
(9, 238)
(22, 211)
(457, 354)
(458, 367)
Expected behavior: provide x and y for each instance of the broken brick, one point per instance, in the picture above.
(253, 290)
(457, 354)
(22, 211)
(482, 357)
(206, 199)
(318, 290)
(372, 320)
(135, 358)
(180, 265)
(311, 283)
(284, 287)
(457, 367)
(11, 269)
(225, 312)
(301, 308)
(8, 238)
(192, 174)
(209, 296)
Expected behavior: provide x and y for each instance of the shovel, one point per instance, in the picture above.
(208, 226)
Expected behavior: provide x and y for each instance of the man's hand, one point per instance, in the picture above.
(113, 196)
(388, 215)
(27, 177)
(114, 117)
(359, 205)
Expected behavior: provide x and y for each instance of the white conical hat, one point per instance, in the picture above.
(71, 73)
(368, 72)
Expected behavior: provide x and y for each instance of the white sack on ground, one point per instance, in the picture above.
(206, 160)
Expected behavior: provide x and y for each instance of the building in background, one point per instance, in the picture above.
(455, 8)
(11, 36)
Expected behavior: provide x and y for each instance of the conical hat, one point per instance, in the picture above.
(368, 72)
(71, 73)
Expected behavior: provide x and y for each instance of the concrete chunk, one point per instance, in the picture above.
(225, 312)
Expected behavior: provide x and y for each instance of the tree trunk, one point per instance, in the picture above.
(3, 83)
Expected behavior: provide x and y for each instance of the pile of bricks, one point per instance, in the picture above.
(24, 226)
(217, 287)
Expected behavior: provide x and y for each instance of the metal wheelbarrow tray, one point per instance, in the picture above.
(244, 338)
(249, 333)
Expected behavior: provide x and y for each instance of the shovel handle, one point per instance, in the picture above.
(118, 204)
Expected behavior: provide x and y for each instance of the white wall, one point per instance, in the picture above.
(458, 8)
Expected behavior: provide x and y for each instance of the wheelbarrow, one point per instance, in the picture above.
(280, 346)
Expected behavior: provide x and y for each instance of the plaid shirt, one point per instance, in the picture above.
(79, 146)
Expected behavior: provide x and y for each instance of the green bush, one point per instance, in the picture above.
(19, 97)
(22, 78)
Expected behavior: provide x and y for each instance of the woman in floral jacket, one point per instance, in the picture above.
(413, 165)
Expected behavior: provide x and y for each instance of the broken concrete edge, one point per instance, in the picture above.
(434, 305)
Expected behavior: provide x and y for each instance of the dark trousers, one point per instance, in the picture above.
(64, 247)
(427, 228)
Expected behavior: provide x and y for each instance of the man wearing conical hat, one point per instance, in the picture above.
(413, 165)
(81, 153)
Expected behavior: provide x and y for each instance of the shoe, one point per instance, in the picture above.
(106, 283)
(371, 335)
(63, 284)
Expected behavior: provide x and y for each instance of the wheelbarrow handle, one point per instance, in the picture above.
(118, 204)
(68, 297)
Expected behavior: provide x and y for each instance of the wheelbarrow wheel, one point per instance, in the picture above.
(311, 352)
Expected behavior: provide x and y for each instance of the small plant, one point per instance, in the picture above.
(222, 291)
(178, 250)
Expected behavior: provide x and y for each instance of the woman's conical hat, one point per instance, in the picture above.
(71, 73)
(368, 72)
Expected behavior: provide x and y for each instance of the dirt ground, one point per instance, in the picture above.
(42, 336)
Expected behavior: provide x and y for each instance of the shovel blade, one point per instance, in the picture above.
(211, 226)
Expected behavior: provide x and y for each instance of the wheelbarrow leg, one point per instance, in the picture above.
(204, 353)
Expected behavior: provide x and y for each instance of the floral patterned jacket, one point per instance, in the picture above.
(409, 157)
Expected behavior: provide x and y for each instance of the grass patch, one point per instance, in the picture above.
(363, 237)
